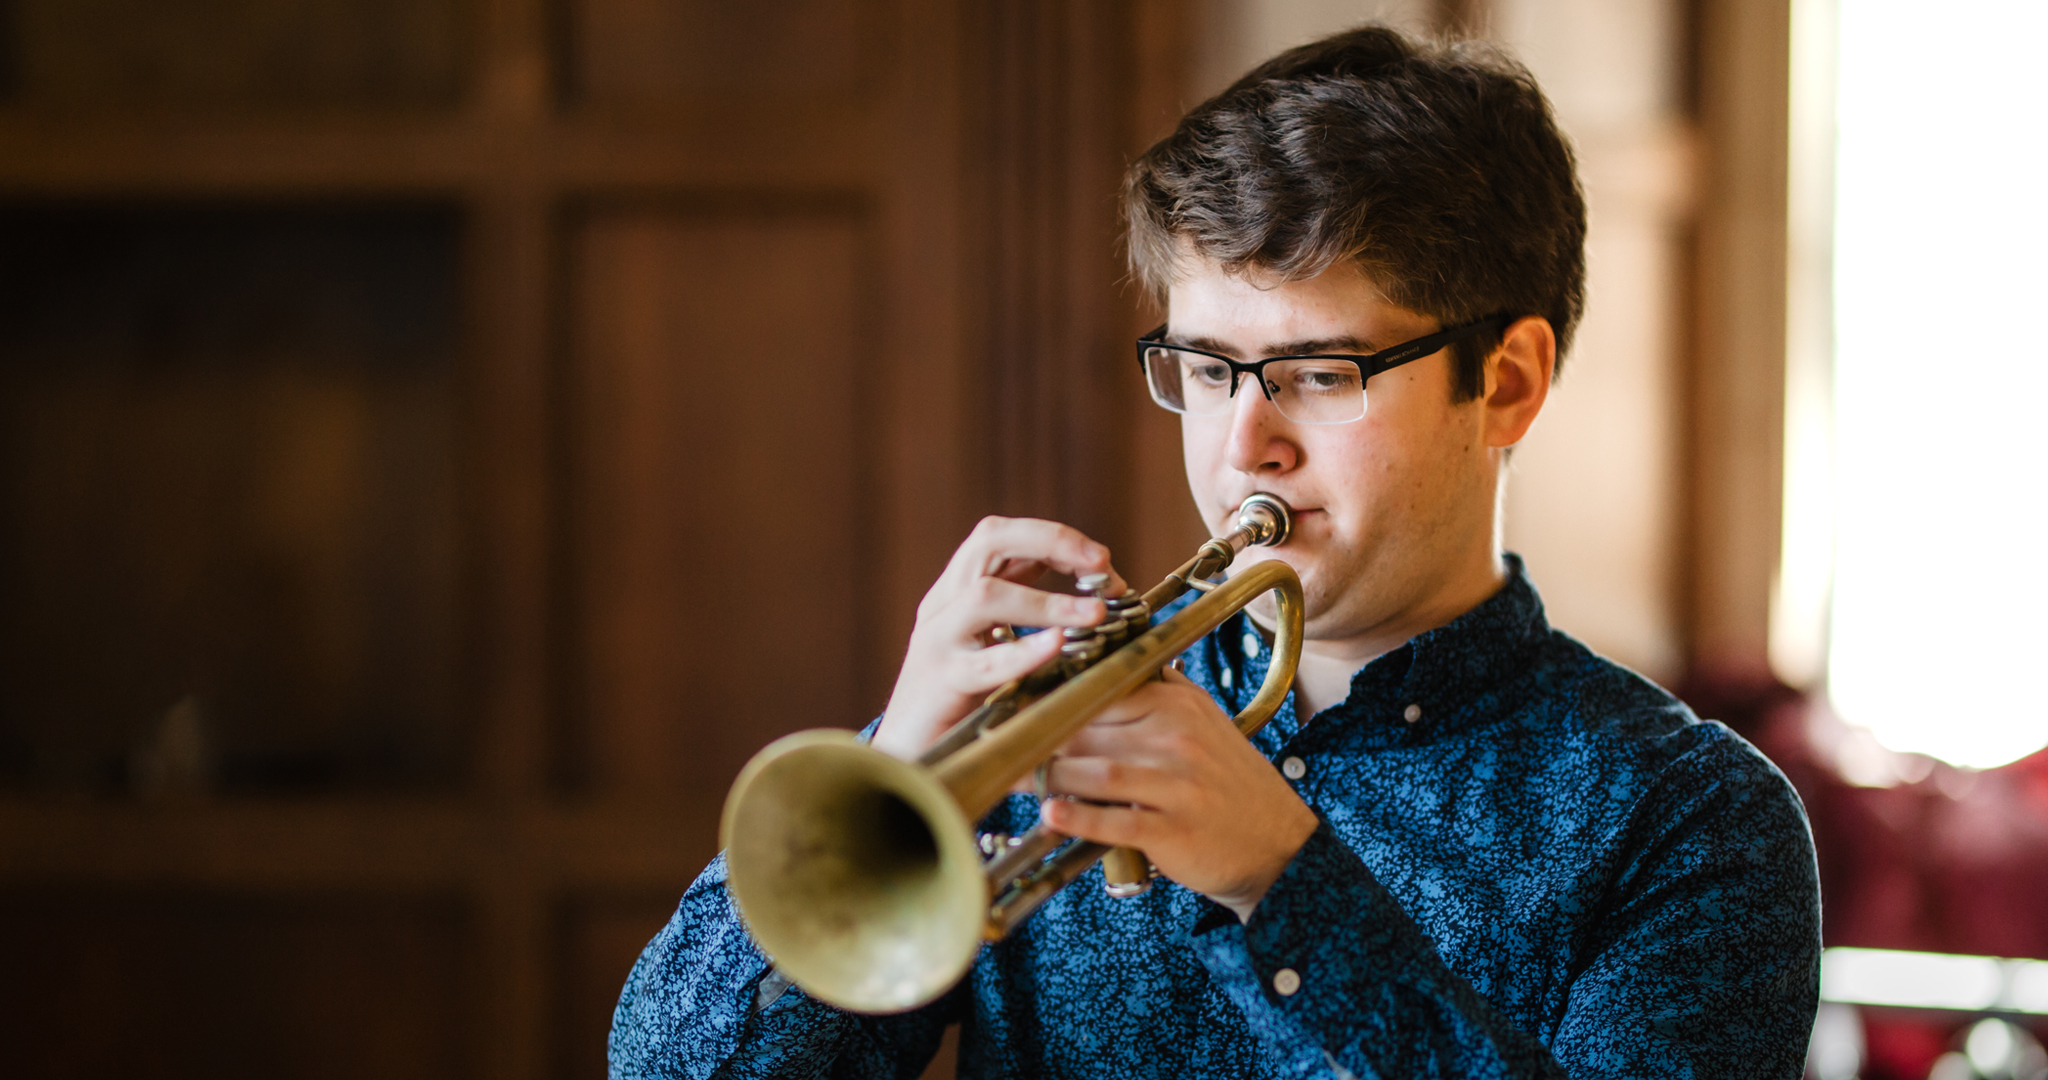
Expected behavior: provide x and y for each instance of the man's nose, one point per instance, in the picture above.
(1260, 438)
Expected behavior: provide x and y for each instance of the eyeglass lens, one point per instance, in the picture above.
(1305, 391)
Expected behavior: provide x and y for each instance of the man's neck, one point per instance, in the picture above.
(1328, 664)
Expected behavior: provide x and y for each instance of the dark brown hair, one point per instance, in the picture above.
(1436, 169)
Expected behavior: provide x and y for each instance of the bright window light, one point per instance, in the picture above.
(1939, 620)
(1918, 980)
(2027, 988)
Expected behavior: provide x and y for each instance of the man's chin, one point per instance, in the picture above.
(1317, 601)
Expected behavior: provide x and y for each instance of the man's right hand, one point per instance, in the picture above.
(953, 660)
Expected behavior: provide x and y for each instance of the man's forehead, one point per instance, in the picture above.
(1257, 311)
(1190, 264)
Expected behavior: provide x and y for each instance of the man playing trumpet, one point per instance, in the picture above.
(1467, 845)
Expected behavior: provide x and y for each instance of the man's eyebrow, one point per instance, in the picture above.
(1312, 346)
(1306, 347)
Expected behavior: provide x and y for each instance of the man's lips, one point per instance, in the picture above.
(1291, 508)
(1230, 521)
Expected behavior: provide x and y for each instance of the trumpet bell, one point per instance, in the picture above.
(856, 872)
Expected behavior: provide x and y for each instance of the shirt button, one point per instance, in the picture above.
(1251, 644)
(1412, 713)
(1286, 981)
(1294, 768)
(1224, 678)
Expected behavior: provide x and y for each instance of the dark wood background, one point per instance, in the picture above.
(443, 439)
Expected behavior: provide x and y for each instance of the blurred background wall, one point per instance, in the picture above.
(442, 440)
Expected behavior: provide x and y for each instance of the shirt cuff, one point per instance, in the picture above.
(1293, 920)
(1324, 888)
(1321, 935)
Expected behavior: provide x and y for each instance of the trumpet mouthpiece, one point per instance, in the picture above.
(1266, 518)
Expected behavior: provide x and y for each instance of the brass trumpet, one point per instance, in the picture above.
(859, 873)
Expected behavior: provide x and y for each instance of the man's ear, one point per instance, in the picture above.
(1518, 379)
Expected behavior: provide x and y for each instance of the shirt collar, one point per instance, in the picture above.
(1471, 654)
(1427, 687)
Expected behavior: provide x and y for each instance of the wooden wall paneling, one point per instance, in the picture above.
(1164, 526)
(718, 359)
(510, 466)
(512, 323)
(517, 71)
(228, 519)
(1069, 93)
(838, 145)
(230, 985)
(1049, 138)
(240, 55)
(512, 270)
(926, 473)
(507, 382)
(810, 186)
(1737, 358)
(641, 53)
(395, 845)
(1090, 358)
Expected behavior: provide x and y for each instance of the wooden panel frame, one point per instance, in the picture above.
(869, 50)
(574, 769)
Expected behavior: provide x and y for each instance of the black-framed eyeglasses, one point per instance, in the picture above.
(1322, 388)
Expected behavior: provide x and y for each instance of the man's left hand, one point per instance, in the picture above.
(1176, 780)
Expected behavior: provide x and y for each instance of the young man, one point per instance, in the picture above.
(1468, 846)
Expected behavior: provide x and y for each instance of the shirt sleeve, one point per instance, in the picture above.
(1705, 962)
(1710, 952)
(701, 1003)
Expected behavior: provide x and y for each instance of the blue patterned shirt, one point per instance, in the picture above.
(1531, 862)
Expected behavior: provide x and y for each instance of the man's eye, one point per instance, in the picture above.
(1325, 380)
(1209, 373)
